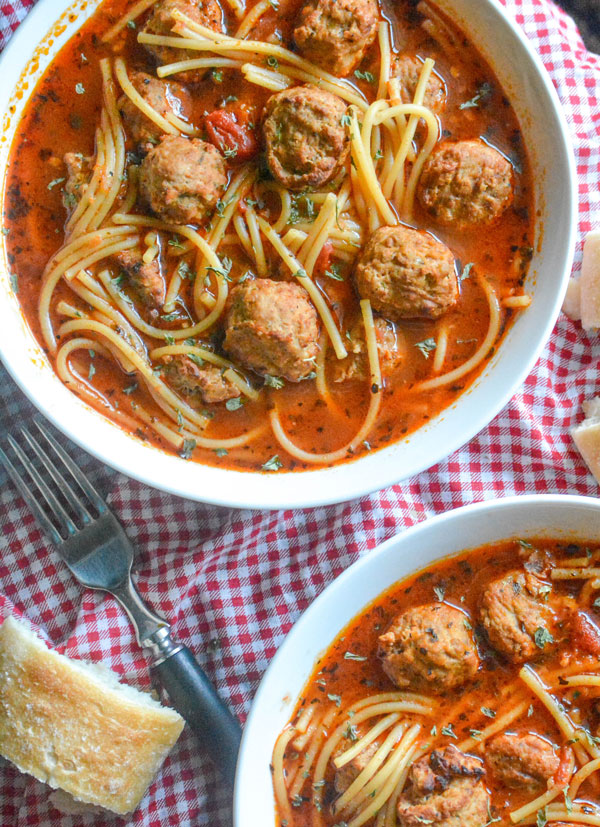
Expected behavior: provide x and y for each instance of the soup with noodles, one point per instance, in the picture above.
(269, 236)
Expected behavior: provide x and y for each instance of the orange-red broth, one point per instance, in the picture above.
(460, 581)
(58, 120)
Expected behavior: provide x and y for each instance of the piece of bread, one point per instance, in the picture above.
(572, 302)
(586, 436)
(72, 724)
(590, 282)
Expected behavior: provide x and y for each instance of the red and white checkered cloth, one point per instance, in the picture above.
(233, 582)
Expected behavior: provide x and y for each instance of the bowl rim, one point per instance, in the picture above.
(297, 489)
(293, 639)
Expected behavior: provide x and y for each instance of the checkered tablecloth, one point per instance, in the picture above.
(233, 582)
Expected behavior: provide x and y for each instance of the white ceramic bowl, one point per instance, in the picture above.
(546, 136)
(475, 525)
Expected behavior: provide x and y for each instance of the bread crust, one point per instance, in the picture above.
(74, 727)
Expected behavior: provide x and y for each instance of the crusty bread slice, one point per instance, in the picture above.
(586, 436)
(590, 282)
(74, 726)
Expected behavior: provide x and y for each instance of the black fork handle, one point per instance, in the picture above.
(195, 698)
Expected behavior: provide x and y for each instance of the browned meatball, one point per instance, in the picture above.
(522, 760)
(466, 183)
(407, 274)
(335, 34)
(163, 97)
(429, 648)
(272, 328)
(146, 280)
(346, 775)
(198, 380)
(79, 171)
(205, 12)
(518, 620)
(183, 179)
(445, 789)
(408, 68)
(305, 140)
(356, 364)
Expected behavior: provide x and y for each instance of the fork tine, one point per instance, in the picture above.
(60, 481)
(46, 525)
(58, 512)
(85, 485)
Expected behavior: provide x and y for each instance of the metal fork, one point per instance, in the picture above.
(92, 543)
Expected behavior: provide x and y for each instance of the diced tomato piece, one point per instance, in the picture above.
(586, 633)
(323, 261)
(231, 136)
(562, 776)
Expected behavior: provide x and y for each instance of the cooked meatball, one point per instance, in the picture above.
(466, 183)
(163, 97)
(407, 274)
(356, 364)
(516, 617)
(522, 760)
(335, 34)
(346, 775)
(146, 280)
(205, 12)
(272, 328)
(408, 68)
(445, 789)
(199, 381)
(305, 139)
(183, 179)
(429, 648)
(79, 170)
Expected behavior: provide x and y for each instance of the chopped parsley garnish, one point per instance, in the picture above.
(91, 371)
(272, 62)
(131, 24)
(346, 120)
(80, 89)
(55, 182)
(274, 382)
(231, 153)
(484, 91)
(489, 713)
(352, 656)
(170, 340)
(217, 75)
(378, 155)
(336, 699)
(351, 733)
(170, 317)
(175, 242)
(228, 99)
(449, 731)
(234, 404)
(439, 592)
(300, 274)
(542, 637)
(466, 271)
(224, 270)
(273, 464)
(334, 273)
(221, 452)
(14, 282)
(185, 271)
(541, 818)
(524, 544)
(426, 346)
(5, 231)
(188, 448)
(368, 76)
(130, 388)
